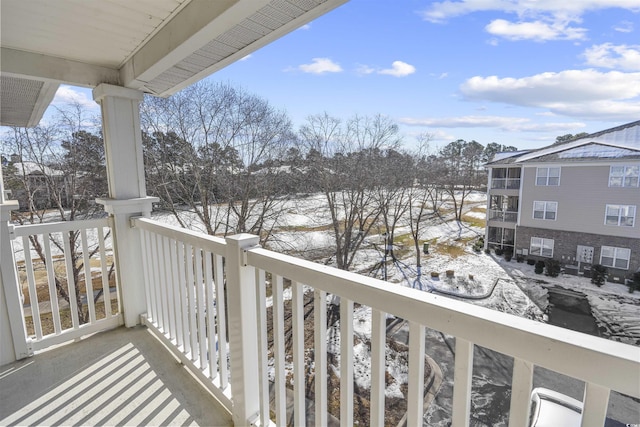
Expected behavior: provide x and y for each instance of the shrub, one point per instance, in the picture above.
(634, 285)
(539, 267)
(598, 274)
(508, 254)
(499, 251)
(552, 267)
(520, 258)
(531, 261)
(487, 251)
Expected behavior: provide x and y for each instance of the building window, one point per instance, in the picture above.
(545, 210)
(541, 247)
(624, 176)
(620, 215)
(548, 176)
(615, 257)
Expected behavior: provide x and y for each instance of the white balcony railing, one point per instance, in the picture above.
(505, 183)
(504, 216)
(66, 275)
(186, 301)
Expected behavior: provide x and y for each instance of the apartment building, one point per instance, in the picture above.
(576, 202)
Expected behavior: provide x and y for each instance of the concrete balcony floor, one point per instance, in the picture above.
(120, 377)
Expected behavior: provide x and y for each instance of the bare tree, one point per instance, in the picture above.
(462, 162)
(57, 172)
(423, 195)
(341, 157)
(209, 152)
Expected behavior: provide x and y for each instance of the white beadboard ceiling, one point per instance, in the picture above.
(156, 46)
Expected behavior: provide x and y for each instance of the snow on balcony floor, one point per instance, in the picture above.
(120, 377)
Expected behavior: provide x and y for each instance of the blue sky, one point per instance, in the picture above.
(507, 71)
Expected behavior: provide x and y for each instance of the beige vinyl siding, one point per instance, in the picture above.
(582, 197)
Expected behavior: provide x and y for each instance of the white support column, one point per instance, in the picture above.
(488, 211)
(243, 333)
(127, 190)
(13, 333)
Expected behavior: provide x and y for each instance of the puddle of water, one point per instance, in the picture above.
(571, 310)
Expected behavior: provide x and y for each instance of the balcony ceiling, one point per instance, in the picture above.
(156, 46)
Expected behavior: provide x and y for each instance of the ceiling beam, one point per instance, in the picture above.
(195, 25)
(35, 66)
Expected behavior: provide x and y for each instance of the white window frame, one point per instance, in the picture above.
(615, 254)
(539, 244)
(626, 176)
(546, 177)
(624, 213)
(547, 207)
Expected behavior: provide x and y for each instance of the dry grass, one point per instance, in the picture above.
(475, 221)
(453, 250)
(304, 228)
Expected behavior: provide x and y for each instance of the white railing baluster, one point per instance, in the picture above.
(221, 309)
(210, 299)
(71, 283)
(184, 301)
(378, 367)
(297, 320)
(462, 383)
(168, 285)
(152, 284)
(521, 386)
(278, 349)
(155, 265)
(88, 280)
(53, 292)
(320, 355)
(106, 290)
(191, 298)
(162, 285)
(33, 293)
(596, 402)
(174, 292)
(346, 362)
(175, 287)
(263, 349)
(201, 332)
(415, 394)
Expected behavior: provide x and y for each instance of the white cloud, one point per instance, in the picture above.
(321, 66)
(67, 95)
(305, 27)
(399, 69)
(624, 27)
(537, 19)
(575, 93)
(535, 30)
(441, 11)
(244, 58)
(608, 55)
(510, 124)
(365, 69)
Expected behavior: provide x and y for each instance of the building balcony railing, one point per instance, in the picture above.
(505, 183)
(208, 299)
(505, 216)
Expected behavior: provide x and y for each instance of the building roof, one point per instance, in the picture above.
(621, 142)
(32, 168)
